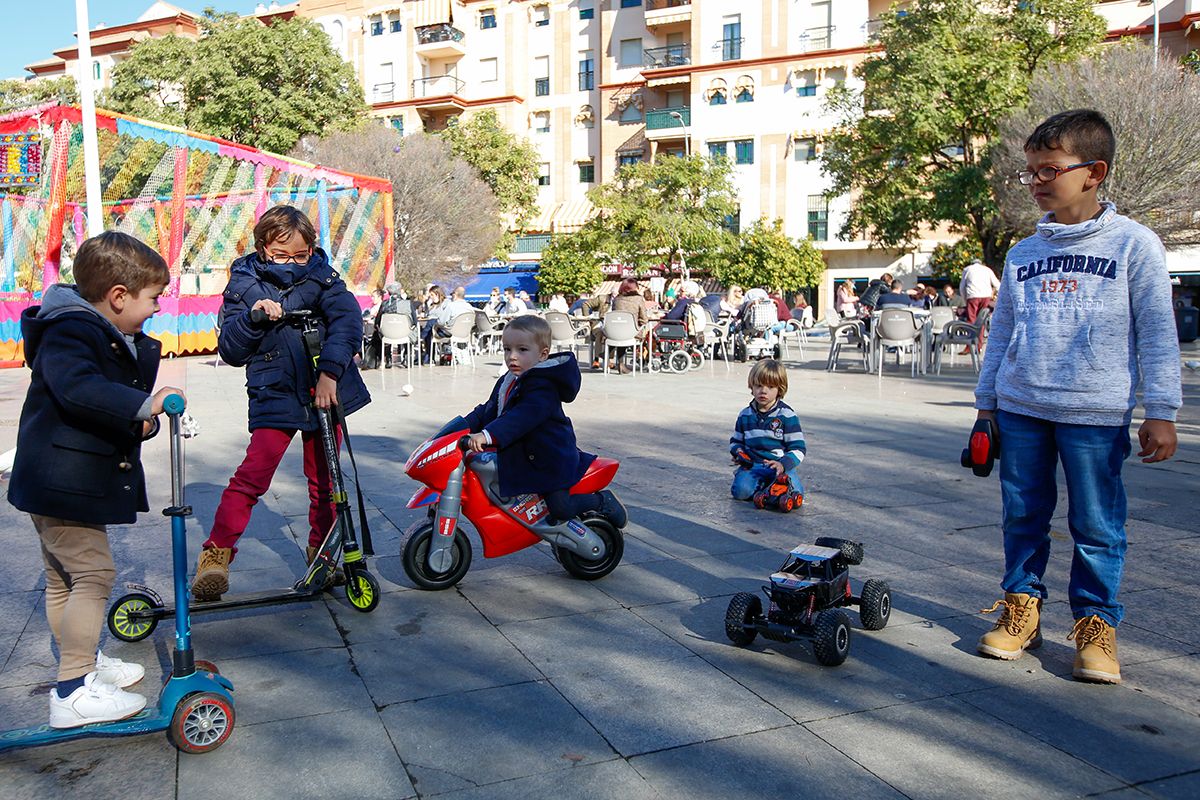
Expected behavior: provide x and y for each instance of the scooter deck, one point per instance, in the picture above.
(252, 600)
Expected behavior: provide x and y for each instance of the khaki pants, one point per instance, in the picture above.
(79, 577)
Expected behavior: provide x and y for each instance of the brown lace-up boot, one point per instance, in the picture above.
(1095, 651)
(1018, 629)
(212, 573)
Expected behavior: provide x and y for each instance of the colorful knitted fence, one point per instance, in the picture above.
(194, 198)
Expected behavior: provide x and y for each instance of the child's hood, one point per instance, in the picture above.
(1059, 232)
(562, 371)
(59, 301)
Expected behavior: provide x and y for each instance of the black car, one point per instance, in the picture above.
(805, 601)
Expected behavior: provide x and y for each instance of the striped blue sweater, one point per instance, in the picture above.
(775, 435)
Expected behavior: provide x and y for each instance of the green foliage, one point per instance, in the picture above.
(149, 83)
(912, 144)
(508, 164)
(655, 213)
(764, 256)
(16, 94)
(261, 85)
(571, 264)
(947, 261)
(1191, 61)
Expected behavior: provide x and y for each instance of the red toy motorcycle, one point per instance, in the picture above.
(437, 553)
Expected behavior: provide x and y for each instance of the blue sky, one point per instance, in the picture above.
(42, 26)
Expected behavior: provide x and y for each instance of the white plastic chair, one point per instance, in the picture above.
(460, 339)
(848, 333)
(961, 333)
(563, 335)
(487, 332)
(896, 327)
(620, 330)
(396, 331)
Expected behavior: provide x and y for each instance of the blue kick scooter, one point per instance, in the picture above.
(195, 706)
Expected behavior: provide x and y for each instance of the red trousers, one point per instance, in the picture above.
(253, 478)
(974, 306)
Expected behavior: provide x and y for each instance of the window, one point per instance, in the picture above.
(804, 149)
(716, 99)
(587, 72)
(717, 91)
(489, 70)
(745, 95)
(541, 121)
(631, 113)
(377, 26)
(541, 72)
(544, 174)
(541, 16)
(627, 159)
(835, 76)
(394, 26)
(487, 19)
(398, 124)
(587, 13)
(631, 3)
(818, 217)
(731, 43)
(630, 53)
(806, 83)
(743, 151)
(541, 87)
(587, 173)
(96, 70)
(733, 222)
(718, 150)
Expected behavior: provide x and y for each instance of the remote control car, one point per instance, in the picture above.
(778, 495)
(805, 601)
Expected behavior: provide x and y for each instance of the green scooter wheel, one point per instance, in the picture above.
(362, 590)
(120, 621)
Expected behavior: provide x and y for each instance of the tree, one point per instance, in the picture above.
(446, 218)
(149, 83)
(912, 143)
(947, 261)
(1155, 113)
(765, 256)
(260, 85)
(571, 264)
(17, 94)
(508, 164)
(660, 212)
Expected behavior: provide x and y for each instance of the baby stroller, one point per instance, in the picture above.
(754, 338)
(672, 350)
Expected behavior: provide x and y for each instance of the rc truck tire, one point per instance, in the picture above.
(852, 552)
(831, 644)
(875, 605)
(743, 609)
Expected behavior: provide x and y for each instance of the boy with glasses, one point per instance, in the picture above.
(1083, 316)
(285, 272)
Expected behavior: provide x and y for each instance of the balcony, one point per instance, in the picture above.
(871, 30)
(731, 49)
(668, 123)
(817, 38)
(441, 91)
(531, 243)
(675, 55)
(440, 41)
(667, 12)
(383, 93)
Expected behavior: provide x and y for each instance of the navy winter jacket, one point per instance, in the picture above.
(278, 379)
(535, 443)
(80, 437)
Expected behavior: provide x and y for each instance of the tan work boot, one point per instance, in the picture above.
(1018, 629)
(336, 576)
(1095, 651)
(212, 573)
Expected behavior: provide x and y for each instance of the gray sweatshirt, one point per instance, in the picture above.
(1084, 313)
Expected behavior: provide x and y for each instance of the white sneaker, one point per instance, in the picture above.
(95, 701)
(117, 672)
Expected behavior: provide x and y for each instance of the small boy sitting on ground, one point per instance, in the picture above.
(524, 420)
(1083, 315)
(767, 441)
(78, 466)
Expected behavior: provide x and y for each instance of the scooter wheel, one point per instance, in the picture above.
(206, 666)
(130, 630)
(415, 558)
(202, 723)
(363, 592)
(614, 547)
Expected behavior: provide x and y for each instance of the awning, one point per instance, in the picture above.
(671, 81)
(430, 12)
(480, 287)
(540, 223)
(573, 215)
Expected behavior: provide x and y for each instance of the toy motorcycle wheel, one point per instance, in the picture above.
(831, 644)
(415, 558)
(679, 361)
(852, 552)
(202, 723)
(120, 623)
(363, 592)
(614, 548)
(875, 605)
(743, 609)
(697, 359)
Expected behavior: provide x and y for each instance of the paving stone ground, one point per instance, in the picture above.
(522, 682)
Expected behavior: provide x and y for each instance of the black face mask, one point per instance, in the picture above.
(284, 273)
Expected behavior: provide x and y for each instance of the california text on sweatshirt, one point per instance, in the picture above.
(1084, 312)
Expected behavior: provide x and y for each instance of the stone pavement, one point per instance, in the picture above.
(525, 683)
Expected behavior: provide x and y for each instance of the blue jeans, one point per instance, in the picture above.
(1091, 457)
(748, 480)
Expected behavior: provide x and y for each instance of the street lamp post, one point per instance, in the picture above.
(91, 158)
(1156, 33)
(687, 140)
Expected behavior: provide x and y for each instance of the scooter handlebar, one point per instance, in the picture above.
(174, 404)
(258, 316)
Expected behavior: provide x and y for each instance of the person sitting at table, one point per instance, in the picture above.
(494, 305)
(513, 306)
(629, 299)
(652, 304)
(896, 297)
(371, 313)
(802, 312)
(845, 300)
(869, 300)
(731, 304)
(952, 299)
(711, 302)
(689, 291)
(557, 303)
(435, 298)
(397, 302)
(576, 308)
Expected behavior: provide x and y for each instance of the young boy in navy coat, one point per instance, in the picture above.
(78, 464)
(524, 420)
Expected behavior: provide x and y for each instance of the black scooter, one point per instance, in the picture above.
(134, 616)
